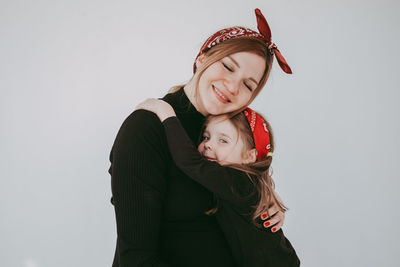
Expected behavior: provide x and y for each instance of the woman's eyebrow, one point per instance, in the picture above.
(234, 61)
(237, 64)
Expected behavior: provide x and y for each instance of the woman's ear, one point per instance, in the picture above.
(200, 60)
(250, 156)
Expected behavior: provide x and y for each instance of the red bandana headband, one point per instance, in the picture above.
(260, 133)
(263, 35)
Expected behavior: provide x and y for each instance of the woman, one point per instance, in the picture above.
(160, 213)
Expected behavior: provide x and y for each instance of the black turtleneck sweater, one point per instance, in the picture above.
(160, 211)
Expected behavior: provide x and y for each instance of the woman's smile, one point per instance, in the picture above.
(220, 96)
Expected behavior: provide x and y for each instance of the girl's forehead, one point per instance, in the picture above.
(221, 125)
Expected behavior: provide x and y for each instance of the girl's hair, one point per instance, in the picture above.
(231, 46)
(259, 172)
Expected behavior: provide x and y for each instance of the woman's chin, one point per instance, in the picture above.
(216, 108)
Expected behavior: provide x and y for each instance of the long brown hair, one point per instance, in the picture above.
(231, 46)
(259, 172)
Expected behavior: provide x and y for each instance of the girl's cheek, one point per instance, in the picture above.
(200, 147)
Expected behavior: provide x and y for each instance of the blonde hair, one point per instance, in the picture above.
(259, 172)
(231, 46)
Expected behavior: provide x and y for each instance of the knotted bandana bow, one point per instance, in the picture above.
(265, 31)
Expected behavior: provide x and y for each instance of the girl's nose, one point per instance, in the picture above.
(207, 145)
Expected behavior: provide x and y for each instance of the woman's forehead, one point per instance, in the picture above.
(252, 63)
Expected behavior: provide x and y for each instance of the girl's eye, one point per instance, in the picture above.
(206, 137)
(248, 87)
(226, 67)
(223, 141)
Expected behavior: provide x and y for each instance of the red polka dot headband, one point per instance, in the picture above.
(260, 133)
(264, 35)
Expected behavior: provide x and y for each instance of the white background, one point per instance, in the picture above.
(71, 71)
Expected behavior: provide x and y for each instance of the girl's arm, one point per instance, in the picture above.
(216, 178)
(227, 183)
(161, 108)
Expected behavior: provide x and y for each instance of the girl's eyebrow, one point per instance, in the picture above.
(227, 136)
(237, 64)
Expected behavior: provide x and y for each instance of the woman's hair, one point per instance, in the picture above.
(259, 172)
(231, 46)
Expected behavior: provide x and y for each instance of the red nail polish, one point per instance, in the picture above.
(264, 216)
(273, 229)
(266, 224)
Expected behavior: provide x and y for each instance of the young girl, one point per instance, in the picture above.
(233, 161)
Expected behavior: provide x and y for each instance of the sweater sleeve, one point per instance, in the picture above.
(225, 182)
(138, 167)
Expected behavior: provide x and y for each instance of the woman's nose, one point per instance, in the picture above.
(232, 86)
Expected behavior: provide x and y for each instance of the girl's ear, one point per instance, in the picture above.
(250, 156)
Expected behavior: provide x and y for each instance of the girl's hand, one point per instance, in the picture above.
(276, 219)
(161, 108)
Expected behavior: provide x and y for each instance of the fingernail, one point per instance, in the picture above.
(273, 229)
(266, 224)
(264, 216)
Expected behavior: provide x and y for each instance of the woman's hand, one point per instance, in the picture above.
(161, 108)
(276, 219)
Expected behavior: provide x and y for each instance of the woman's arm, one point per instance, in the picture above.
(138, 165)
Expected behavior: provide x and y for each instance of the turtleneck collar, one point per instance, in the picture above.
(181, 103)
(190, 118)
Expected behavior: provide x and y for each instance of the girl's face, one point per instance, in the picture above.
(222, 143)
(228, 84)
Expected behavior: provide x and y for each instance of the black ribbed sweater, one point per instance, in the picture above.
(160, 211)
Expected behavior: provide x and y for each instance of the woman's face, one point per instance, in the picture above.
(228, 84)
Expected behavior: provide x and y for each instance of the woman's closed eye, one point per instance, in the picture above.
(248, 87)
(227, 67)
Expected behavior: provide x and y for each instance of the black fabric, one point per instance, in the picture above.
(251, 246)
(159, 210)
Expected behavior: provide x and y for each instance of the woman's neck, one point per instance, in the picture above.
(190, 91)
